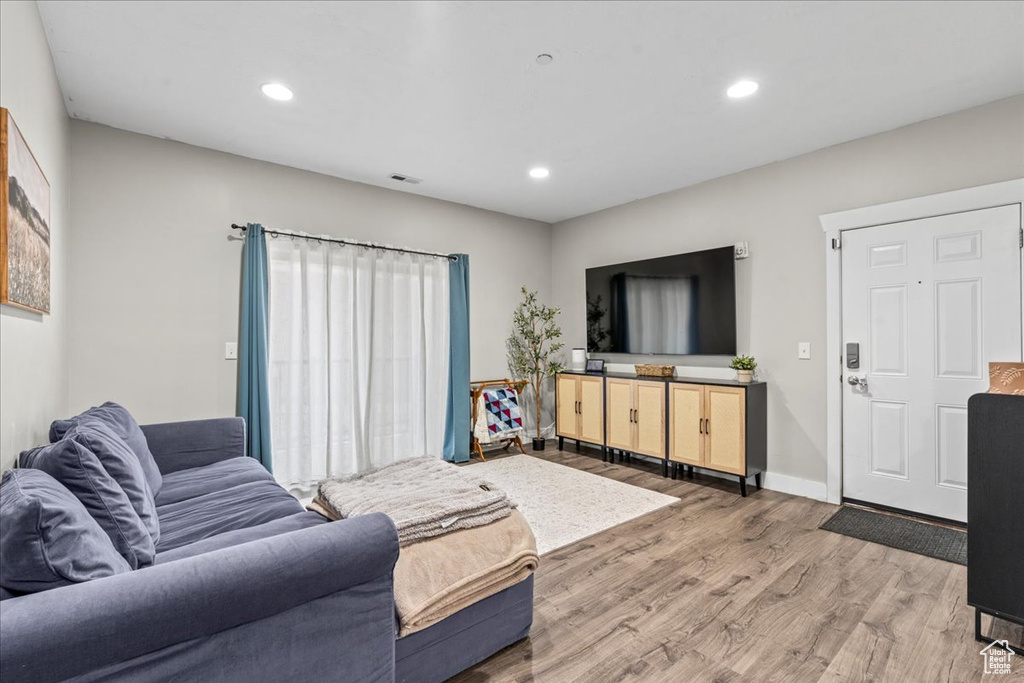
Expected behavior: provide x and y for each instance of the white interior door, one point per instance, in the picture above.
(930, 302)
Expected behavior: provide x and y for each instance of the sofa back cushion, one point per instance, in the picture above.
(81, 473)
(124, 425)
(47, 538)
(121, 464)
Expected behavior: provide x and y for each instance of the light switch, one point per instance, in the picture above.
(230, 350)
(803, 350)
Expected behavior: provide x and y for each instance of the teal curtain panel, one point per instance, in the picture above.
(457, 421)
(253, 356)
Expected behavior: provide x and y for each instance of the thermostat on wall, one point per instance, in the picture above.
(741, 250)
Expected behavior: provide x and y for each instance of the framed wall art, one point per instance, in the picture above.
(24, 223)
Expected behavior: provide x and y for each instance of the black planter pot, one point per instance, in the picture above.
(538, 444)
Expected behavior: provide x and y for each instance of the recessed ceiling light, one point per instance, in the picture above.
(276, 91)
(545, 59)
(742, 89)
(539, 172)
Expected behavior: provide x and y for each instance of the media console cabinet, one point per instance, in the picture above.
(717, 425)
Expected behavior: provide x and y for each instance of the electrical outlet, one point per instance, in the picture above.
(230, 350)
(803, 350)
(741, 250)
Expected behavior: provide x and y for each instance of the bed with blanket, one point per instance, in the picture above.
(463, 582)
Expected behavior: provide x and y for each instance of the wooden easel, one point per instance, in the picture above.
(477, 388)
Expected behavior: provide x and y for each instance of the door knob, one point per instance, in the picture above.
(855, 381)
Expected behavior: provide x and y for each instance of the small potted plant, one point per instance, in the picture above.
(744, 367)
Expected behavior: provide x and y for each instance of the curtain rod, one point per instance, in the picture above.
(353, 243)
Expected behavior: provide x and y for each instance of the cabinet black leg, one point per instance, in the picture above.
(743, 486)
(675, 471)
(604, 454)
(988, 639)
(577, 445)
(664, 468)
(561, 442)
(757, 481)
(690, 473)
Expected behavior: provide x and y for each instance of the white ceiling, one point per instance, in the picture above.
(633, 105)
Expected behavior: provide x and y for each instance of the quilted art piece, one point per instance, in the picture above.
(501, 406)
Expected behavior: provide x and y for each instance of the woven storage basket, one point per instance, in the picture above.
(647, 370)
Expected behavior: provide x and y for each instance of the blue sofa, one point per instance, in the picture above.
(245, 586)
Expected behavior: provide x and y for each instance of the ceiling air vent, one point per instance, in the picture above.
(405, 179)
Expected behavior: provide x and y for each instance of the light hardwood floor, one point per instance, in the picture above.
(722, 588)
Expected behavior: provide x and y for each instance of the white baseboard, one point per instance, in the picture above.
(783, 483)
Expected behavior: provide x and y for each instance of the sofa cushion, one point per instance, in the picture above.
(218, 476)
(239, 507)
(125, 426)
(121, 464)
(284, 525)
(82, 473)
(47, 538)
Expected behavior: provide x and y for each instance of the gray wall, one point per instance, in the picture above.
(33, 357)
(156, 279)
(781, 288)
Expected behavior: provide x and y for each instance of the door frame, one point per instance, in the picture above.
(1006, 193)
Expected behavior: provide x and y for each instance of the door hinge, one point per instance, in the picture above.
(1020, 242)
(837, 244)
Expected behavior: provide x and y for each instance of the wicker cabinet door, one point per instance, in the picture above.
(725, 432)
(649, 418)
(686, 429)
(619, 413)
(567, 404)
(591, 409)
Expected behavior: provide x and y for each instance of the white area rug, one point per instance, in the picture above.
(563, 504)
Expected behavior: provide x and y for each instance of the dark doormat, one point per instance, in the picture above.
(939, 542)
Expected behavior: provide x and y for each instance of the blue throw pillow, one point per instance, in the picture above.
(124, 425)
(121, 464)
(47, 539)
(82, 473)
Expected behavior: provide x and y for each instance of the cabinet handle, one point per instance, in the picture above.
(579, 408)
(707, 426)
(636, 417)
(700, 424)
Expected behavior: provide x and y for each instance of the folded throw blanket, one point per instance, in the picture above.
(425, 497)
(440, 576)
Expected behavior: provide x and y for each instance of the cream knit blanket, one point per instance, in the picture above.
(425, 497)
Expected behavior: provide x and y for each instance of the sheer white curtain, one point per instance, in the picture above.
(660, 314)
(358, 357)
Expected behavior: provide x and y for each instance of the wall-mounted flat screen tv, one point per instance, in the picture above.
(680, 305)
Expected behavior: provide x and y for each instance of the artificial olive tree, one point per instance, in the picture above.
(533, 345)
